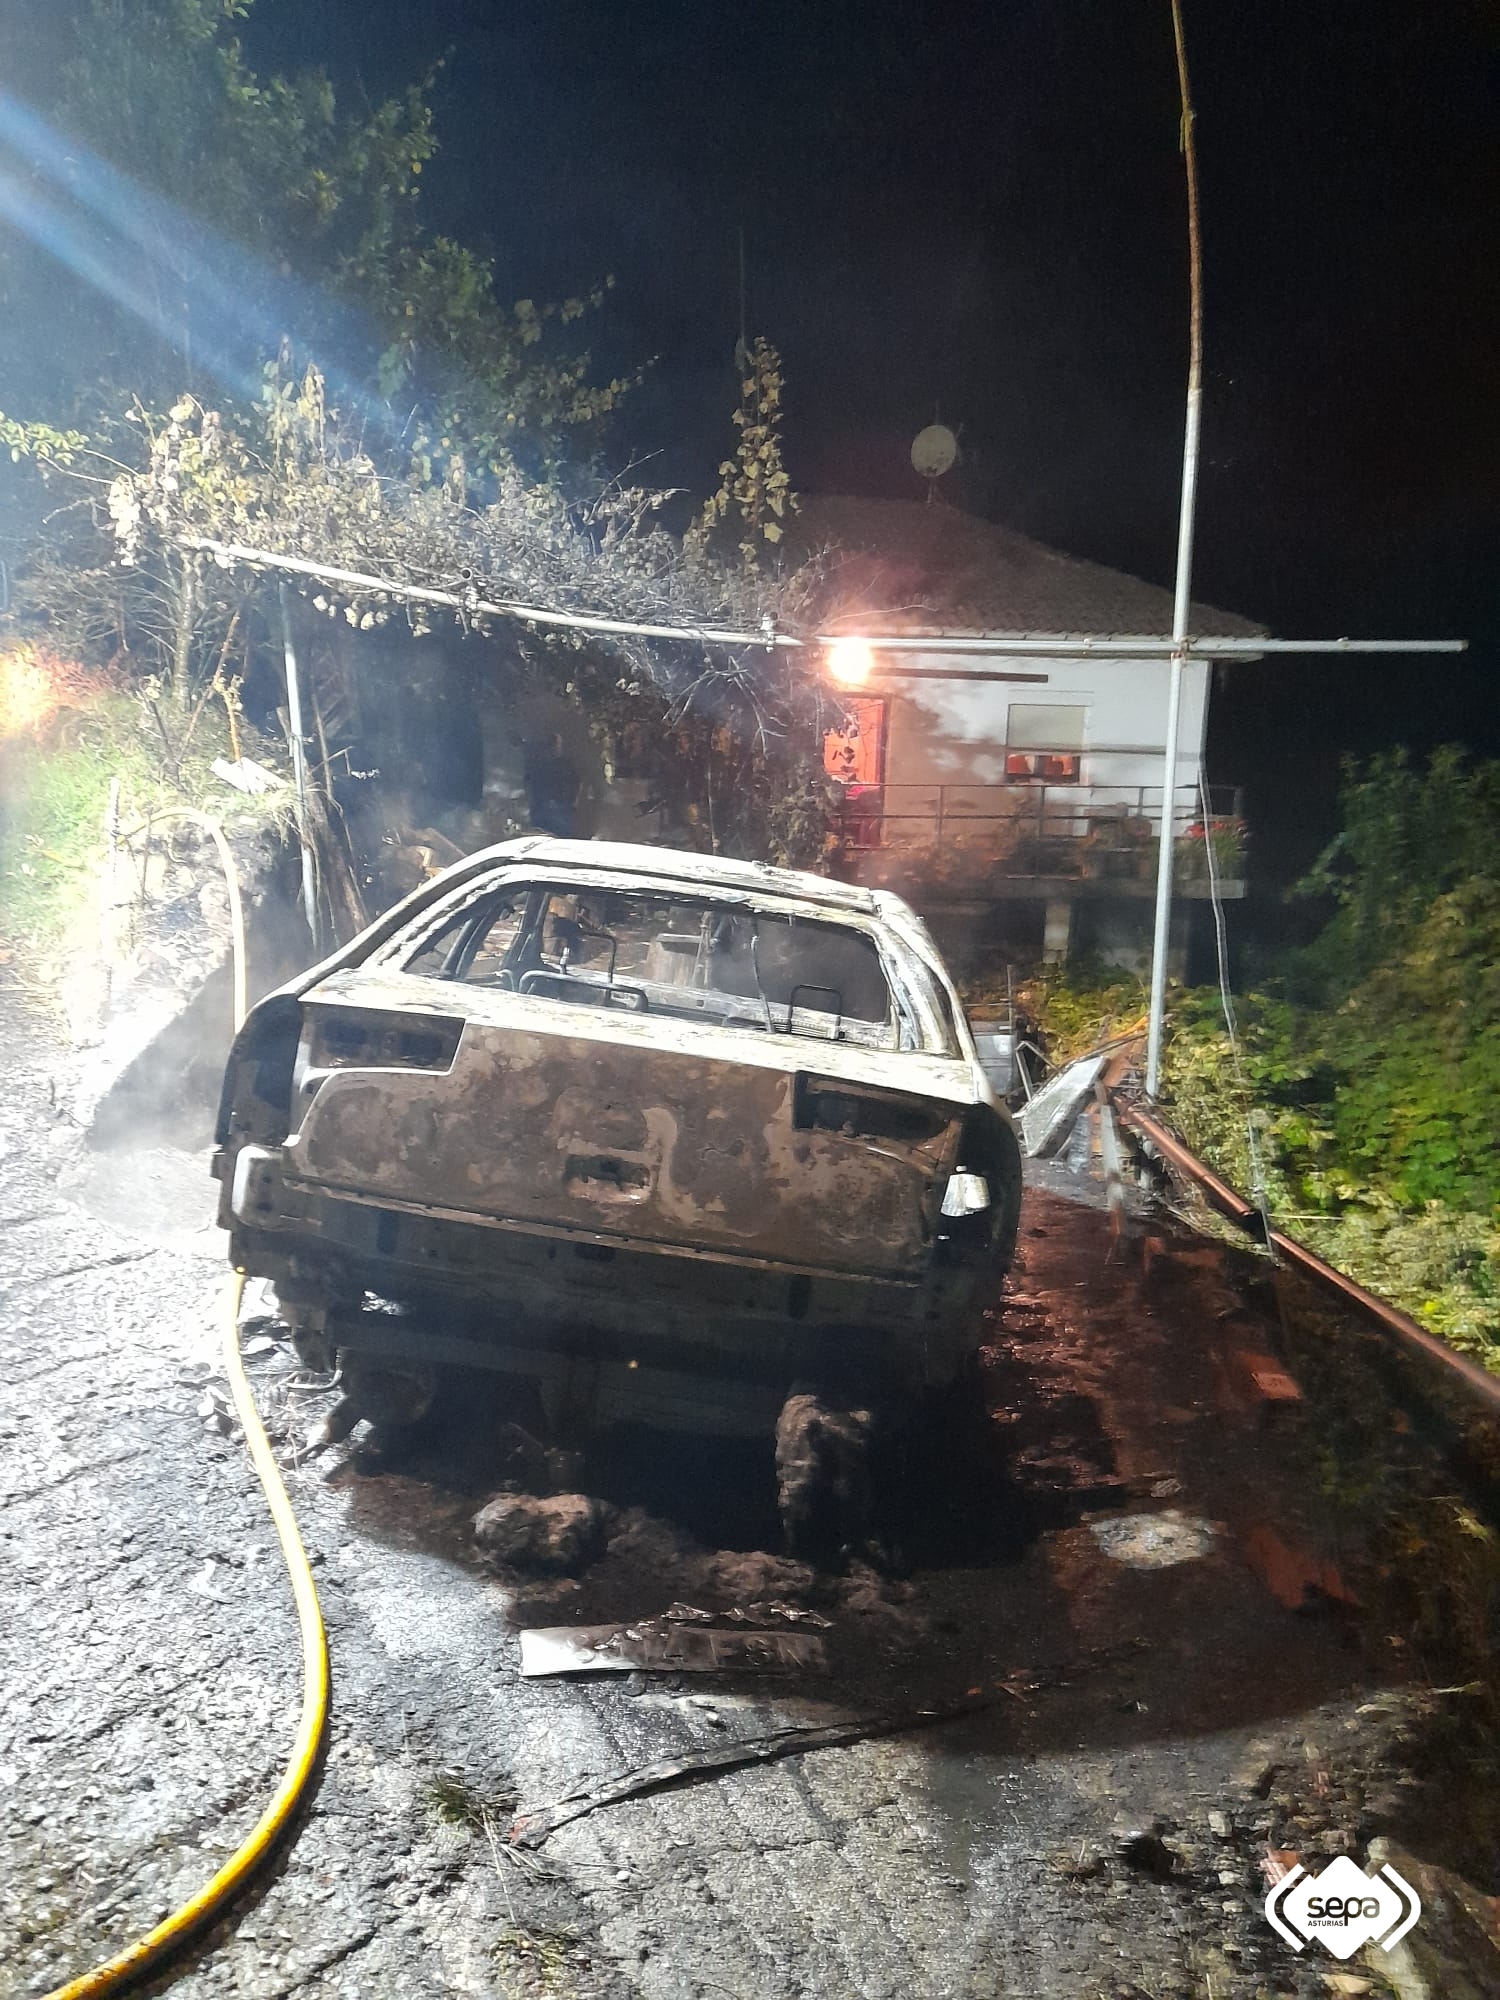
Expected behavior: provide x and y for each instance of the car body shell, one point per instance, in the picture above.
(655, 1217)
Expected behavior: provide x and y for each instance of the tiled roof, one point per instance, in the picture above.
(921, 567)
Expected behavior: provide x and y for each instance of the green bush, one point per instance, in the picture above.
(1360, 1103)
(1298, 1091)
(1367, 1086)
(1082, 1003)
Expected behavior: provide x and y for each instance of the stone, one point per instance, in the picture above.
(560, 1534)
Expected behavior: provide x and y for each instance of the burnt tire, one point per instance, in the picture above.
(391, 1398)
(824, 1485)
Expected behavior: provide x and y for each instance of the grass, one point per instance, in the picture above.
(538, 1958)
(54, 798)
(452, 1800)
(544, 1957)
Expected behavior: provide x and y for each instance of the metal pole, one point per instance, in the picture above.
(108, 912)
(1180, 608)
(1066, 646)
(299, 766)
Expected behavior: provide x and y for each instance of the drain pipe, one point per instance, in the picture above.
(1477, 1383)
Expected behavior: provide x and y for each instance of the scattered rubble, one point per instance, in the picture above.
(666, 1645)
(822, 1472)
(562, 1533)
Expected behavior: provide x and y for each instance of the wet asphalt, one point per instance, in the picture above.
(1085, 1577)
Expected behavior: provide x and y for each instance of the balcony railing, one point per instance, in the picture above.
(959, 838)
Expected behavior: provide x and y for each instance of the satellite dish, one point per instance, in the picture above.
(933, 451)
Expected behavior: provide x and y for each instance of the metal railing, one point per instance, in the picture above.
(1031, 830)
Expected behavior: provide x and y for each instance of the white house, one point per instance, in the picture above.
(1015, 799)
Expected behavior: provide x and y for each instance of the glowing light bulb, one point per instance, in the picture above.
(851, 661)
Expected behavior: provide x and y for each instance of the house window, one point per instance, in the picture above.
(1043, 767)
(1044, 743)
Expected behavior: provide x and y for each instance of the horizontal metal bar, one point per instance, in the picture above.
(1058, 645)
(1222, 1196)
(1001, 819)
(1478, 1382)
(475, 606)
(1130, 645)
(884, 674)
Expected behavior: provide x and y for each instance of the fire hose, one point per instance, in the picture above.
(147, 1951)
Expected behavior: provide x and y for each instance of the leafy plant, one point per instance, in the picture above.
(1083, 1002)
(310, 222)
(1365, 1089)
(1408, 835)
(754, 497)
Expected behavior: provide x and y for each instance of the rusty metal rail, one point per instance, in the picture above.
(1475, 1382)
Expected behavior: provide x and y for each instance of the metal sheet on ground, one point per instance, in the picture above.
(1051, 1114)
(663, 1646)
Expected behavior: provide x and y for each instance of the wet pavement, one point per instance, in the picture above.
(1091, 1578)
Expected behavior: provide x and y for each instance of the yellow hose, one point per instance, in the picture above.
(129, 1964)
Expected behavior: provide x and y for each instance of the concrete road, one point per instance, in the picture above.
(1094, 1577)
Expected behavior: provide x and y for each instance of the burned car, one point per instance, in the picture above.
(674, 1137)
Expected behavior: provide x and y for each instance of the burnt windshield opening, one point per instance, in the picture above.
(643, 951)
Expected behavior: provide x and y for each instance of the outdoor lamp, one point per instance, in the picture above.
(851, 661)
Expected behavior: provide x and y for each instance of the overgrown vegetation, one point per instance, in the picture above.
(191, 214)
(1370, 1068)
(284, 355)
(1361, 1101)
(1083, 1003)
(71, 744)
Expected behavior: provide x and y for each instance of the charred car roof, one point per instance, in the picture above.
(674, 865)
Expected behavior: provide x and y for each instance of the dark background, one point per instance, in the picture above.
(977, 213)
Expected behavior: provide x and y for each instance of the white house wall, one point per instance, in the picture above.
(953, 733)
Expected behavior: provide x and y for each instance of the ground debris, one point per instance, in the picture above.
(1144, 1849)
(1455, 1950)
(765, 1615)
(1295, 1577)
(667, 1645)
(561, 1534)
(1153, 1541)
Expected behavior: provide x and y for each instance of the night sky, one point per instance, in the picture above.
(977, 213)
